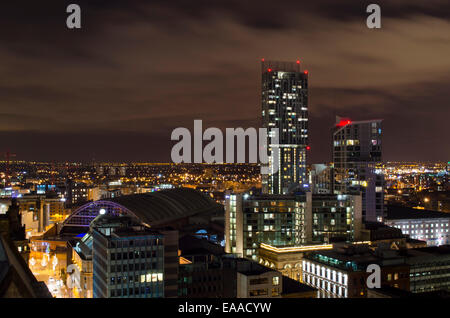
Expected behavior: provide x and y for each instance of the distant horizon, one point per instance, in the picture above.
(190, 163)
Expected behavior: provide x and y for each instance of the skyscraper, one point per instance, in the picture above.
(285, 106)
(356, 151)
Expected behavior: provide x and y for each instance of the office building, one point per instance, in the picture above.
(356, 150)
(342, 272)
(132, 261)
(285, 106)
(429, 268)
(429, 226)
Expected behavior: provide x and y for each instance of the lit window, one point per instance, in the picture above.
(275, 281)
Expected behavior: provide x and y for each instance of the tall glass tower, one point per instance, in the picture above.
(356, 153)
(285, 106)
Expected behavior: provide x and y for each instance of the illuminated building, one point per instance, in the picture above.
(342, 272)
(429, 268)
(429, 226)
(381, 234)
(256, 281)
(16, 279)
(356, 151)
(321, 179)
(181, 208)
(285, 106)
(332, 218)
(76, 192)
(39, 212)
(287, 260)
(289, 220)
(272, 219)
(82, 276)
(132, 261)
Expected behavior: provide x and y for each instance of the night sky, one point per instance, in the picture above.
(116, 89)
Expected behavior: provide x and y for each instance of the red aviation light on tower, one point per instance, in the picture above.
(306, 72)
(269, 70)
(344, 122)
(262, 60)
(298, 62)
(308, 148)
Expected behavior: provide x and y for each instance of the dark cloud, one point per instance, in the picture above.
(138, 69)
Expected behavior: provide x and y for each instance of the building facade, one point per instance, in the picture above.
(429, 226)
(284, 98)
(287, 260)
(342, 273)
(357, 149)
(132, 261)
(321, 178)
(429, 268)
(333, 218)
(289, 220)
(272, 219)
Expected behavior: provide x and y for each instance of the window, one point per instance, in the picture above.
(275, 281)
(275, 292)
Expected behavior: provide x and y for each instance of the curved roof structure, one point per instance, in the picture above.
(153, 208)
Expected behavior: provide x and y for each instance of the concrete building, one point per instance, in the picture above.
(342, 272)
(206, 271)
(287, 260)
(429, 268)
(132, 261)
(429, 226)
(256, 281)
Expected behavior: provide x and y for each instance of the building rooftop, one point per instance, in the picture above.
(154, 209)
(394, 212)
(167, 205)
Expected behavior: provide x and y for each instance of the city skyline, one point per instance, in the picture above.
(115, 89)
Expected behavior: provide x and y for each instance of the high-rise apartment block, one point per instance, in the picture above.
(289, 220)
(285, 107)
(271, 219)
(356, 151)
